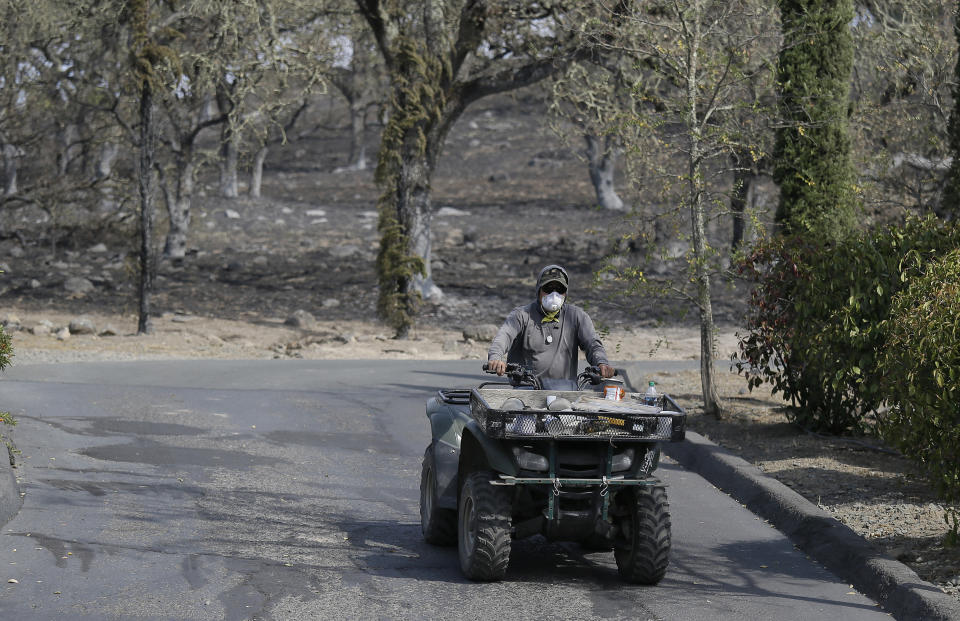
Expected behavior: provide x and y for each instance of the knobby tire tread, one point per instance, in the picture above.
(644, 560)
(491, 552)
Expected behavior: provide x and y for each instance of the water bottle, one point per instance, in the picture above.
(650, 397)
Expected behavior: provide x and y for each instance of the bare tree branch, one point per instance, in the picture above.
(510, 76)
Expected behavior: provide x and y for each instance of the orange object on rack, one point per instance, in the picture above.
(613, 392)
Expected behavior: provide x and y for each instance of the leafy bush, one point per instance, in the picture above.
(815, 327)
(920, 367)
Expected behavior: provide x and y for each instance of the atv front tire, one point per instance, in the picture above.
(646, 527)
(439, 526)
(483, 531)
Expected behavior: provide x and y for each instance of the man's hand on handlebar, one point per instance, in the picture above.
(496, 366)
(606, 370)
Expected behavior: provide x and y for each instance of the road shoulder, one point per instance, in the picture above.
(10, 498)
(897, 588)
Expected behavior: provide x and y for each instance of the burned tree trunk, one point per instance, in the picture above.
(743, 188)
(148, 260)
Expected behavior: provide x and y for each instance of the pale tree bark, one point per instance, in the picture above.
(415, 213)
(696, 193)
(178, 199)
(68, 137)
(601, 162)
(919, 162)
(11, 162)
(178, 195)
(229, 142)
(106, 159)
(268, 134)
(362, 84)
(711, 398)
(256, 173)
(103, 170)
(354, 85)
(179, 190)
(358, 127)
(229, 159)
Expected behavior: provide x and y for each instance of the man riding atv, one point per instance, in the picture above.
(554, 453)
(544, 335)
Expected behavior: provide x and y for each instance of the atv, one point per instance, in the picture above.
(572, 461)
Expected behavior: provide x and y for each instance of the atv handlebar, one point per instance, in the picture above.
(512, 368)
(518, 374)
(592, 375)
(521, 376)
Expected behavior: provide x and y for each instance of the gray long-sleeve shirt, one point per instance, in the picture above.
(523, 339)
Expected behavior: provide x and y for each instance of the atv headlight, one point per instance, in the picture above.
(622, 461)
(528, 460)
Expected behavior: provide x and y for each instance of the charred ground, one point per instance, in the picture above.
(508, 199)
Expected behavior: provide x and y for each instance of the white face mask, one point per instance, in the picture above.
(552, 302)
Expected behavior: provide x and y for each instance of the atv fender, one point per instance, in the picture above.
(460, 446)
(446, 427)
(479, 452)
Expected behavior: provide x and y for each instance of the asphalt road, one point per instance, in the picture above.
(289, 490)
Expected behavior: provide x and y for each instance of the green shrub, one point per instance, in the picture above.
(815, 326)
(920, 367)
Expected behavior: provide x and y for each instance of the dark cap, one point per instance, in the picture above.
(552, 273)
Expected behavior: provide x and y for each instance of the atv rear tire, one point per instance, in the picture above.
(439, 526)
(646, 528)
(483, 531)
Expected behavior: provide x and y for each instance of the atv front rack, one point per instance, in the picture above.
(589, 416)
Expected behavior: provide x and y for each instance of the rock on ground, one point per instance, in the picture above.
(11, 323)
(483, 332)
(82, 325)
(42, 328)
(78, 285)
(301, 319)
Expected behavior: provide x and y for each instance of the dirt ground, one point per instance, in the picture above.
(508, 201)
(180, 336)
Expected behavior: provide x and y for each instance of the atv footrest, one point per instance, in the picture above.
(559, 482)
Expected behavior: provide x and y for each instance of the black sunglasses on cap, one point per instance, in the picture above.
(554, 287)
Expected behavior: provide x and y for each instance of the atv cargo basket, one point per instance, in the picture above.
(589, 417)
